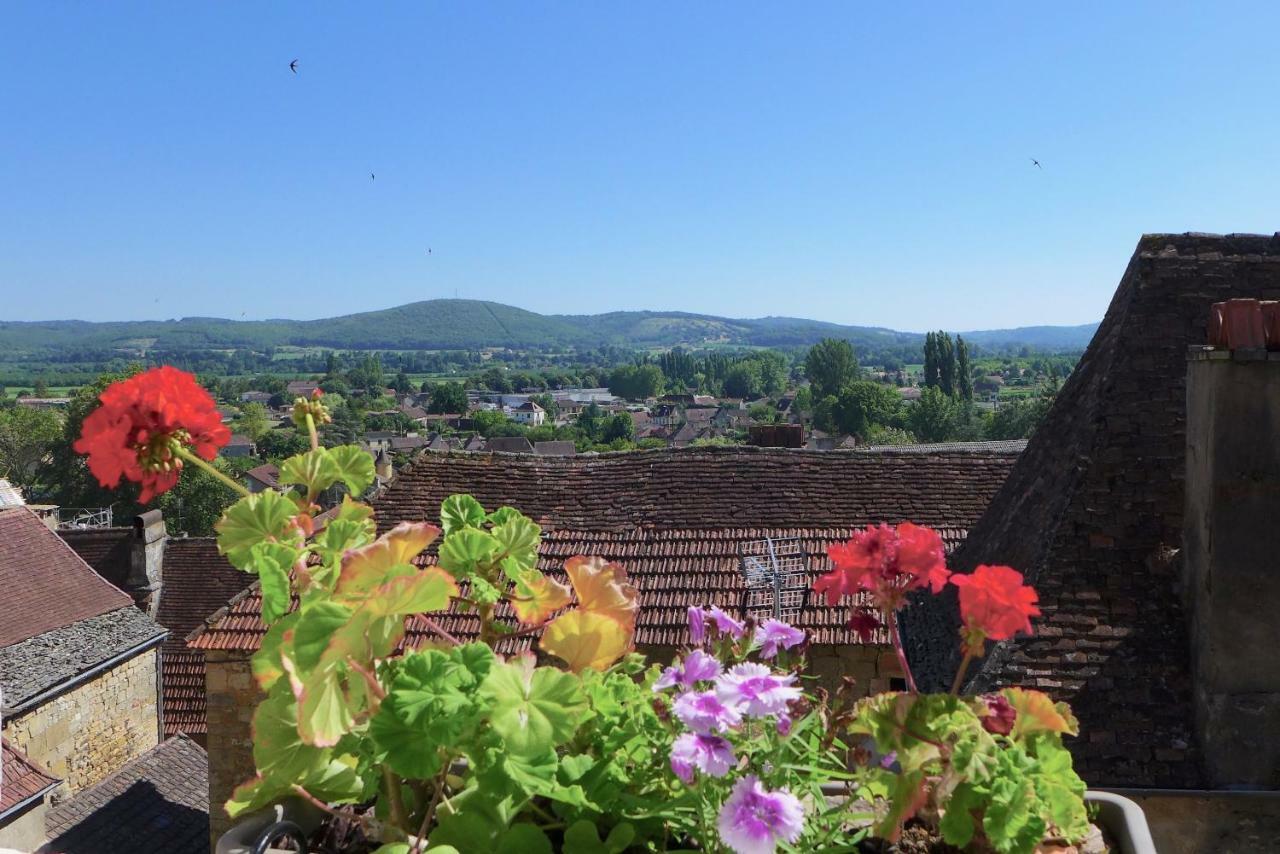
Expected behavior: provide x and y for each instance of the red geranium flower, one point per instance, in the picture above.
(887, 563)
(994, 603)
(143, 422)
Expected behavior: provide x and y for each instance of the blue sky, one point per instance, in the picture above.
(843, 161)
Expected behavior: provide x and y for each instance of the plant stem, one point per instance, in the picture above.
(311, 430)
(196, 460)
(964, 665)
(896, 639)
(436, 795)
(395, 799)
(438, 629)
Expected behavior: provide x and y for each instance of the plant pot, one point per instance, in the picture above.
(254, 833)
(1124, 821)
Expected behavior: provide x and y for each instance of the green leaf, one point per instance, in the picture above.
(1009, 821)
(266, 665)
(518, 538)
(460, 511)
(466, 550)
(273, 562)
(278, 750)
(503, 515)
(482, 592)
(323, 715)
(523, 839)
(422, 592)
(312, 469)
(581, 837)
(314, 629)
(255, 519)
(354, 466)
(536, 710)
(957, 821)
(424, 712)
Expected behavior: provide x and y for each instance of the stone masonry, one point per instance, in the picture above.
(232, 696)
(89, 732)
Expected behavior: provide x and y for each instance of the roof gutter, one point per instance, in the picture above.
(80, 678)
(27, 801)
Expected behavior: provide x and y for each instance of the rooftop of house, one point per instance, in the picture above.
(509, 445)
(21, 779)
(44, 584)
(198, 580)
(107, 550)
(157, 802)
(555, 449)
(267, 474)
(1092, 513)
(675, 519)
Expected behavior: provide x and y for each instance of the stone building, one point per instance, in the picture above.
(78, 661)
(677, 520)
(25, 792)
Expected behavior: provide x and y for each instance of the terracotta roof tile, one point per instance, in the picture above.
(157, 802)
(44, 584)
(20, 778)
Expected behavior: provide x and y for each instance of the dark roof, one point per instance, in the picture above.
(712, 487)
(672, 569)
(32, 666)
(555, 448)
(107, 550)
(21, 780)
(44, 584)
(1093, 513)
(157, 802)
(509, 445)
(197, 581)
(267, 474)
(407, 443)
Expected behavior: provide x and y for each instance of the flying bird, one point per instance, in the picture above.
(1037, 163)
(293, 66)
(371, 178)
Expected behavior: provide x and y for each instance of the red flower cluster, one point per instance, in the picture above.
(995, 604)
(887, 563)
(142, 424)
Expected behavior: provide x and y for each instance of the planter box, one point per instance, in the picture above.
(252, 833)
(1124, 821)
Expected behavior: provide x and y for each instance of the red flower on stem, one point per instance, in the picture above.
(995, 604)
(144, 426)
(887, 563)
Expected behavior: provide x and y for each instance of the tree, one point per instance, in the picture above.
(198, 500)
(448, 398)
(744, 380)
(964, 373)
(491, 422)
(862, 405)
(27, 438)
(495, 379)
(930, 361)
(803, 401)
(589, 421)
(401, 383)
(253, 421)
(636, 382)
(830, 365)
(41, 389)
(620, 426)
(946, 363)
(277, 445)
(933, 417)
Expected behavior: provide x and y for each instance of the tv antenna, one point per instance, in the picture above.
(774, 572)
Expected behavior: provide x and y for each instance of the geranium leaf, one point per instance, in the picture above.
(464, 550)
(314, 469)
(255, 519)
(323, 716)
(586, 639)
(503, 515)
(353, 466)
(460, 511)
(602, 587)
(535, 710)
(421, 714)
(314, 630)
(423, 592)
(1037, 712)
(537, 597)
(390, 555)
(957, 821)
(1010, 823)
(266, 665)
(273, 562)
(518, 538)
(523, 839)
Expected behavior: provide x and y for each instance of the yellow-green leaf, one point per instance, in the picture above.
(586, 639)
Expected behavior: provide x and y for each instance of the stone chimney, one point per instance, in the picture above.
(146, 560)
(1231, 569)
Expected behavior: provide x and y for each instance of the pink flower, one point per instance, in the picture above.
(995, 604)
(702, 712)
(697, 625)
(753, 819)
(784, 725)
(754, 689)
(887, 563)
(726, 624)
(773, 635)
(709, 754)
(696, 667)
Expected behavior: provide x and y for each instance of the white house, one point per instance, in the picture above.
(529, 413)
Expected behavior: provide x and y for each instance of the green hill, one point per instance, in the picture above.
(445, 324)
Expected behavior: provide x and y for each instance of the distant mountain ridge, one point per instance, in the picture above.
(449, 324)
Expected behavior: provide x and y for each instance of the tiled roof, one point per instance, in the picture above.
(37, 664)
(197, 581)
(44, 584)
(1093, 514)
(157, 802)
(267, 474)
(21, 780)
(713, 487)
(671, 569)
(509, 445)
(555, 449)
(107, 550)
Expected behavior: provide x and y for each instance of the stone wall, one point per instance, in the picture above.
(86, 734)
(232, 696)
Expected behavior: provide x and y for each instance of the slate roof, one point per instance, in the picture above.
(555, 449)
(509, 445)
(158, 802)
(39, 663)
(21, 779)
(44, 584)
(1093, 514)
(712, 487)
(267, 474)
(197, 581)
(107, 550)
(675, 519)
